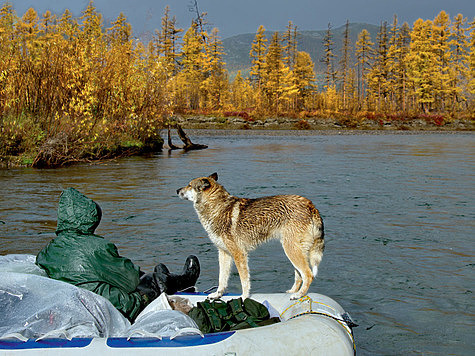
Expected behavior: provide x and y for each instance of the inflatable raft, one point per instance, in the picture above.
(43, 316)
(313, 325)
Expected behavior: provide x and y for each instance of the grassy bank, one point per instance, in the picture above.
(57, 142)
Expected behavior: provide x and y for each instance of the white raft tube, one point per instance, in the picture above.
(313, 325)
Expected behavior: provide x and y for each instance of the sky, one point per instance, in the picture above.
(233, 17)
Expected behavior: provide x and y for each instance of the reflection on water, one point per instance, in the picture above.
(398, 212)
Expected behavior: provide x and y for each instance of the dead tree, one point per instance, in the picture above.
(189, 146)
(171, 146)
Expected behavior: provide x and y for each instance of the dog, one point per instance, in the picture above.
(238, 225)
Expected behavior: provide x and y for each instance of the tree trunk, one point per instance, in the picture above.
(189, 146)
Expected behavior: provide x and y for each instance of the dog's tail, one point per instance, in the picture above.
(316, 251)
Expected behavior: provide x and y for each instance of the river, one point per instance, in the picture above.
(398, 210)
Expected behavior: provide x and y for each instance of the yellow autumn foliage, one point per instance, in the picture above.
(100, 86)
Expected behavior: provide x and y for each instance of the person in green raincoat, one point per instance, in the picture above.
(78, 256)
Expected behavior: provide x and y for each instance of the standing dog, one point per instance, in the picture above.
(238, 225)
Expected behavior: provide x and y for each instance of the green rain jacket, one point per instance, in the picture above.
(79, 257)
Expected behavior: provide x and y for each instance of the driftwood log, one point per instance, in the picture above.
(188, 145)
(171, 146)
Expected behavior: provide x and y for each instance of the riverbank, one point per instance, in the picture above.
(60, 151)
(377, 123)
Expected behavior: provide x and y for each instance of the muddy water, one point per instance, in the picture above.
(398, 211)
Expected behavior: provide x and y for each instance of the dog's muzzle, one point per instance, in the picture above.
(185, 194)
(180, 193)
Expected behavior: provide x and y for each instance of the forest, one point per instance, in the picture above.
(76, 88)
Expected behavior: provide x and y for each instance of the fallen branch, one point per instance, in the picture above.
(189, 146)
(171, 146)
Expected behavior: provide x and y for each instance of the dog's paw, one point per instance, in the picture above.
(215, 295)
(244, 296)
(290, 291)
(295, 296)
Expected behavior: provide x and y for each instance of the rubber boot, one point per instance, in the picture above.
(148, 288)
(171, 283)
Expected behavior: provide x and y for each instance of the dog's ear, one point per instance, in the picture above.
(204, 184)
(214, 176)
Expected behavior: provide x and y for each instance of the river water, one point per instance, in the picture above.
(398, 210)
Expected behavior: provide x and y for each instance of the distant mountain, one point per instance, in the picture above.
(237, 47)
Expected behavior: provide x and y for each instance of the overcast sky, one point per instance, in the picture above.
(234, 17)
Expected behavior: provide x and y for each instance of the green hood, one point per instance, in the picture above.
(78, 213)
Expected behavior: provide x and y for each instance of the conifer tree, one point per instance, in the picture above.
(471, 64)
(328, 58)
(241, 93)
(345, 76)
(257, 54)
(458, 44)
(120, 32)
(92, 27)
(192, 71)
(364, 54)
(393, 49)
(167, 41)
(398, 49)
(215, 84)
(304, 75)
(275, 72)
(422, 64)
(289, 47)
(379, 74)
(441, 49)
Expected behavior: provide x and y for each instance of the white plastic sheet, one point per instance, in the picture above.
(37, 307)
(21, 264)
(159, 320)
(163, 323)
(34, 306)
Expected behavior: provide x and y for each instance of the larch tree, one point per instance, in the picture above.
(192, 68)
(240, 97)
(378, 76)
(345, 76)
(364, 55)
(290, 42)
(422, 64)
(393, 50)
(258, 58)
(275, 73)
(441, 47)
(215, 84)
(328, 58)
(471, 65)
(459, 45)
(398, 49)
(304, 75)
(167, 41)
